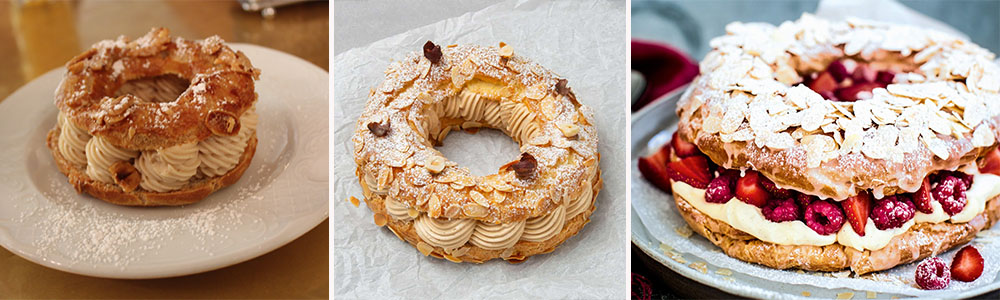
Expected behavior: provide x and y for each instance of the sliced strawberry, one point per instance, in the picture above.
(749, 189)
(682, 148)
(884, 77)
(654, 168)
(922, 197)
(857, 209)
(857, 91)
(991, 163)
(863, 74)
(823, 83)
(692, 170)
(967, 265)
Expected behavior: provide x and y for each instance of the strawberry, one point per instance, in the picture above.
(749, 189)
(967, 265)
(857, 91)
(991, 163)
(774, 189)
(654, 168)
(682, 148)
(922, 197)
(884, 77)
(823, 83)
(857, 208)
(692, 170)
(838, 70)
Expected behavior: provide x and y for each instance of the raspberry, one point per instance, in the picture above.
(892, 212)
(720, 190)
(824, 217)
(951, 193)
(781, 210)
(932, 274)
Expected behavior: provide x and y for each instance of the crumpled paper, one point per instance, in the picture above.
(658, 212)
(581, 41)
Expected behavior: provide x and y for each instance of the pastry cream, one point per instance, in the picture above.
(490, 236)
(168, 169)
(542, 228)
(874, 238)
(749, 219)
(73, 142)
(444, 233)
(397, 210)
(219, 154)
(497, 236)
(101, 155)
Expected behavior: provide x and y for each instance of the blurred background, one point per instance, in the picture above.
(38, 36)
(669, 38)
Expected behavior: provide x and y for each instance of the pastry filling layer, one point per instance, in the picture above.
(750, 219)
(163, 88)
(163, 170)
(451, 234)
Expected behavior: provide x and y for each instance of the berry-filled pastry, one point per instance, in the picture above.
(824, 146)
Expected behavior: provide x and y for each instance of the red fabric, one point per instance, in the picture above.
(664, 68)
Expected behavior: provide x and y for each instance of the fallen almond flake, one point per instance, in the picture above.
(354, 201)
(724, 272)
(806, 294)
(665, 248)
(684, 231)
(871, 295)
(700, 266)
(845, 295)
(841, 274)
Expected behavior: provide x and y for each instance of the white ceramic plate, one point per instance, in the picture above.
(283, 194)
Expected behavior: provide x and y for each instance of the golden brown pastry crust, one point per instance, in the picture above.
(221, 90)
(920, 241)
(112, 193)
(522, 250)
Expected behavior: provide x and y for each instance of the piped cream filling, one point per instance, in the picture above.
(72, 142)
(494, 236)
(219, 154)
(447, 234)
(749, 219)
(101, 155)
(168, 169)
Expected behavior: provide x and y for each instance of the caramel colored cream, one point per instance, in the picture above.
(168, 169)
(73, 142)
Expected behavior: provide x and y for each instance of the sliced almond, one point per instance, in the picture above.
(435, 164)
(506, 50)
(568, 130)
(424, 248)
(380, 219)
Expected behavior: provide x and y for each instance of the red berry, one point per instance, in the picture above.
(838, 70)
(774, 189)
(824, 82)
(804, 200)
(781, 210)
(967, 265)
(884, 77)
(856, 208)
(824, 217)
(892, 212)
(654, 168)
(857, 91)
(951, 193)
(683, 148)
(932, 274)
(720, 190)
(692, 170)
(749, 189)
(990, 163)
(922, 197)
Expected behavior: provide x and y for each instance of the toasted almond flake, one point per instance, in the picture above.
(354, 201)
(665, 248)
(568, 130)
(700, 266)
(806, 294)
(413, 213)
(871, 295)
(983, 136)
(435, 164)
(845, 295)
(724, 272)
(424, 248)
(506, 50)
(380, 219)
(683, 231)
(451, 258)
(461, 251)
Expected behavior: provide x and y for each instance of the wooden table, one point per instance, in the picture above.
(39, 36)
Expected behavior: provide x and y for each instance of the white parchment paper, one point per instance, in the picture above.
(583, 41)
(658, 212)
